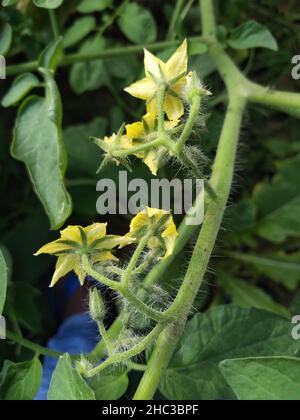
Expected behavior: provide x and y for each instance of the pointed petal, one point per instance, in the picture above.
(135, 130)
(150, 119)
(103, 256)
(81, 274)
(143, 89)
(138, 222)
(151, 159)
(52, 248)
(170, 235)
(112, 241)
(153, 65)
(95, 231)
(173, 107)
(71, 233)
(64, 265)
(178, 63)
(152, 107)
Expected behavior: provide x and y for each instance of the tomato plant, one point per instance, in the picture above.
(188, 90)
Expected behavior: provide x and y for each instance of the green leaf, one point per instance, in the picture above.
(109, 387)
(79, 30)
(281, 268)
(89, 76)
(20, 381)
(38, 142)
(48, 4)
(224, 332)
(6, 3)
(249, 296)
(5, 37)
(52, 54)
(278, 204)
(89, 6)
(21, 86)
(3, 281)
(66, 383)
(137, 23)
(252, 35)
(266, 378)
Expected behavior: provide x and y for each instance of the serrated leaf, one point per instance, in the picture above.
(249, 296)
(90, 6)
(38, 142)
(48, 4)
(3, 281)
(278, 204)
(20, 381)
(21, 86)
(79, 30)
(66, 383)
(224, 332)
(137, 23)
(252, 34)
(266, 378)
(5, 37)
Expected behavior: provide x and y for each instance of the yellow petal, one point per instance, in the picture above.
(81, 274)
(178, 63)
(52, 248)
(139, 221)
(143, 89)
(103, 256)
(170, 235)
(153, 65)
(135, 130)
(95, 231)
(64, 265)
(171, 124)
(158, 213)
(151, 159)
(152, 107)
(71, 233)
(112, 241)
(150, 120)
(173, 107)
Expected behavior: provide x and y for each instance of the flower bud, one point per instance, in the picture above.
(83, 366)
(97, 307)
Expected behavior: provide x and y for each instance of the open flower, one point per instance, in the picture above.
(76, 241)
(142, 130)
(173, 74)
(163, 226)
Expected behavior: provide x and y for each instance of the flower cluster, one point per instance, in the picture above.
(94, 242)
(167, 86)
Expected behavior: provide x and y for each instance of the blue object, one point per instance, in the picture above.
(77, 335)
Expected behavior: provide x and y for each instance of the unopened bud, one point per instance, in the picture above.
(97, 307)
(83, 366)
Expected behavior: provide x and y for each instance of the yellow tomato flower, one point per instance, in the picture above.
(165, 232)
(75, 241)
(140, 130)
(173, 73)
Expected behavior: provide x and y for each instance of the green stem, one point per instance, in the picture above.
(32, 346)
(160, 105)
(70, 59)
(222, 181)
(98, 276)
(54, 23)
(176, 15)
(136, 149)
(134, 351)
(105, 338)
(112, 333)
(191, 121)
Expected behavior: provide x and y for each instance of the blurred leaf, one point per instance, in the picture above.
(109, 387)
(6, 3)
(38, 142)
(3, 281)
(221, 333)
(66, 383)
(278, 203)
(50, 57)
(84, 155)
(5, 37)
(79, 30)
(21, 86)
(90, 75)
(265, 378)
(48, 4)
(249, 296)
(241, 217)
(252, 35)
(137, 24)
(281, 268)
(20, 381)
(89, 6)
